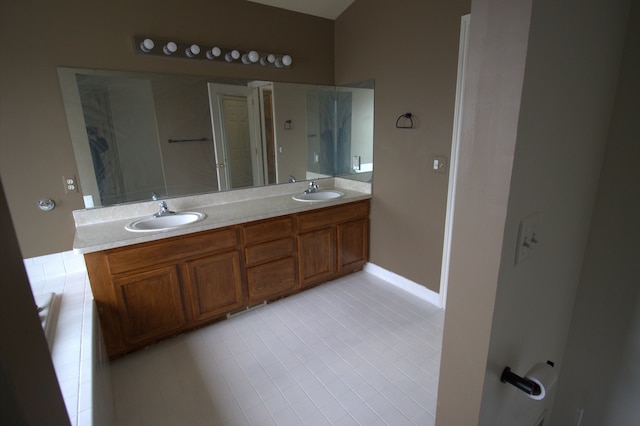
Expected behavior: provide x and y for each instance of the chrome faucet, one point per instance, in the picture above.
(164, 210)
(313, 187)
(292, 179)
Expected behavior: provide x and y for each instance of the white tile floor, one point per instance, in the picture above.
(355, 351)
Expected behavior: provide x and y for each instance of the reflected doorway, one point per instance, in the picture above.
(238, 126)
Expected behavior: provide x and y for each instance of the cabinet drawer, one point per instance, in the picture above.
(168, 251)
(267, 230)
(271, 280)
(332, 216)
(269, 251)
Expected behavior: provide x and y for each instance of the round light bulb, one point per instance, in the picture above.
(286, 60)
(235, 54)
(228, 57)
(254, 56)
(192, 50)
(170, 48)
(271, 58)
(213, 53)
(245, 59)
(146, 45)
(279, 63)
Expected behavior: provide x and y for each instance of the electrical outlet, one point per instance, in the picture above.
(70, 184)
(528, 238)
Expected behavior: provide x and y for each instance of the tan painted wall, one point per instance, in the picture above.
(500, 314)
(567, 101)
(410, 48)
(289, 102)
(182, 108)
(605, 331)
(29, 393)
(36, 37)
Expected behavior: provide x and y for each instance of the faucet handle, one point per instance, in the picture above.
(164, 210)
(313, 187)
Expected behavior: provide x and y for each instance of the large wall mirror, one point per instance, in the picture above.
(140, 135)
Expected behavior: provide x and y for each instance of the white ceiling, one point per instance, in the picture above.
(329, 9)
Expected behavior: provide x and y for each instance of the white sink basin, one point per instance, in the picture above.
(322, 195)
(164, 223)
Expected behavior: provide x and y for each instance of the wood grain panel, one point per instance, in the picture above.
(271, 280)
(353, 244)
(150, 303)
(332, 216)
(170, 250)
(268, 230)
(269, 251)
(214, 285)
(316, 256)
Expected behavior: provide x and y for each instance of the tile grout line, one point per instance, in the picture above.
(384, 375)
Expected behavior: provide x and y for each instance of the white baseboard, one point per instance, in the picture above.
(407, 285)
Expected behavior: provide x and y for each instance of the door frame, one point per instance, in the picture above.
(216, 92)
(453, 161)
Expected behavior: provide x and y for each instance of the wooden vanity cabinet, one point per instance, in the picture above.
(150, 304)
(154, 290)
(150, 291)
(332, 242)
(213, 286)
(269, 249)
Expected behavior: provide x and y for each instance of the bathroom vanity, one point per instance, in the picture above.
(146, 291)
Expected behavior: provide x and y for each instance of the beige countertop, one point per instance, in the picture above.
(104, 228)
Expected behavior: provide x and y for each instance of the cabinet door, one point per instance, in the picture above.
(353, 245)
(214, 285)
(150, 304)
(316, 256)
(271, 280)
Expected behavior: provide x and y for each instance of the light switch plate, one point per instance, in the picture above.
(528, 238)
(440, 164)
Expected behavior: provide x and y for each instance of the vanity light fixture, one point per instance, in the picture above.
(284, 61)
(232, 56)
(147, 46)
(254, 56)
(169, 49)
(213, 53)
(192, 51)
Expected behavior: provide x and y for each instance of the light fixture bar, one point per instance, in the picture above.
(187, 50)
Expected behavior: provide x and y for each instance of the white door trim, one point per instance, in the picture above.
(453, 162)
